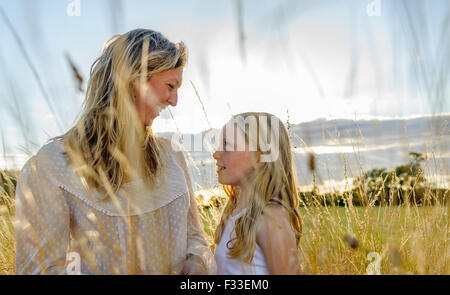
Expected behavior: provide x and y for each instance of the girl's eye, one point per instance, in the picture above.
(170, 86)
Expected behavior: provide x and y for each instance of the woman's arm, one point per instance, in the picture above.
(277, 240)
(200, 259)
(41, 225)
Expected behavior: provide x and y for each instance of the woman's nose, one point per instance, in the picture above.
(173, 99)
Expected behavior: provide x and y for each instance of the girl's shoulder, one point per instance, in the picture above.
(273, 223)
(274, 211)
(274, 217)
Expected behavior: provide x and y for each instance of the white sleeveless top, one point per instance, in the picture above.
(233, 266)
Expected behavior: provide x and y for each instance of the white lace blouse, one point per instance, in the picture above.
(140, 231)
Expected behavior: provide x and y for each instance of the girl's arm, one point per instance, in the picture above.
(277, 240)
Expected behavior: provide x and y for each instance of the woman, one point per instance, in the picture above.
(110, 195)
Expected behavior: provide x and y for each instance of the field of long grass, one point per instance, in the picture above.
(376, 238)
(407, 239)
(351, 240)
(336, 240)
(7, 190)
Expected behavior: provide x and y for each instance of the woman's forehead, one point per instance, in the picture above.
(172, 74)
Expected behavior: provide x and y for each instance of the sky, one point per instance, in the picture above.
(301, 60)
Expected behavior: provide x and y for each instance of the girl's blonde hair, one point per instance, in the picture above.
(108, 145)
(273, 183)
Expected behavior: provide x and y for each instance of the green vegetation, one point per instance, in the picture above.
(396, 214)
(393, 213)
(404, 185)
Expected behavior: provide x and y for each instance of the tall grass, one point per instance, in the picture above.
(7, 239)
(409, 238)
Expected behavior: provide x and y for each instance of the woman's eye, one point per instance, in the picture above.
(170, 86)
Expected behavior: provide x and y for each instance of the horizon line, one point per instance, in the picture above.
(362, 118)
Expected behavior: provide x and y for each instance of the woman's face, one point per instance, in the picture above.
(234, 163)
(160, 91)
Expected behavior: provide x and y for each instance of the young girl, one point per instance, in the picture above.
(260, 228)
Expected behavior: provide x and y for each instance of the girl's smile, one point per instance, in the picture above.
(234, 165)
(220, 168)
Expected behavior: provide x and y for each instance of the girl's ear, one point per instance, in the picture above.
(258, 163)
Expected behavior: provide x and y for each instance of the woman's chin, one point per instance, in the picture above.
(149, 121)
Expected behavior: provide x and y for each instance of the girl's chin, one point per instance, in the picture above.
(224, 181)
(221, 180)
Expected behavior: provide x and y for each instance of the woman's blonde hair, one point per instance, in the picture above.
(273, 183)
(109, 145)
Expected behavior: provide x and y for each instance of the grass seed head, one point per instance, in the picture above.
(351, 241)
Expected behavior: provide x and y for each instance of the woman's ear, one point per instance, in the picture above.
(135, 88)
(139, 88)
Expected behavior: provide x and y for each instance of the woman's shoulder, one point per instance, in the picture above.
(48, 162)
(170, 144)
(51, 152)
(173, 149)
(52, 147)
(47, 156)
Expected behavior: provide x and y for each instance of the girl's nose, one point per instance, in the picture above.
(216, 155)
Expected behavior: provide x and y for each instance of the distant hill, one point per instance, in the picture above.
(343, 147)
(375, 130)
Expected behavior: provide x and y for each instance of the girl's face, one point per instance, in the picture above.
(160, 91)
(233, 163)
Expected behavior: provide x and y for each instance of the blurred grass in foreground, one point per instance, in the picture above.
(410, 238)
